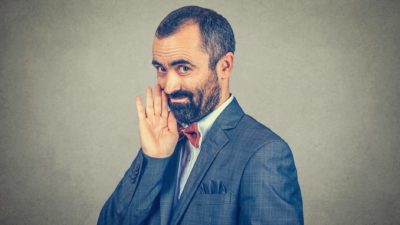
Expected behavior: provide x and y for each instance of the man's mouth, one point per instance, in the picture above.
(179, 100)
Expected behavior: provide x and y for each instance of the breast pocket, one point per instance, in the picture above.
(213, 199)
(213, 209)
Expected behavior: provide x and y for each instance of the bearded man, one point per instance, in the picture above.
(202, 159)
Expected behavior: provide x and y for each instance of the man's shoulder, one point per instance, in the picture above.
(247, 134)
(258, 129)
(254, 133)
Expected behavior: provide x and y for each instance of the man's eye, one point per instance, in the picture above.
(160, 69)
(183, 69)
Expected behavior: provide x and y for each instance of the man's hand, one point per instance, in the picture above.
(157, 127)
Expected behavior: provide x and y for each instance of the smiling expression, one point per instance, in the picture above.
(183, 72)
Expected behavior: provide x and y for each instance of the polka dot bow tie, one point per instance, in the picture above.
(192, 133)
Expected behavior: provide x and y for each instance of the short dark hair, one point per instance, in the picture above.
(216, 32)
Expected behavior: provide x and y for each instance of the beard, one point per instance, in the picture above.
(200, 103)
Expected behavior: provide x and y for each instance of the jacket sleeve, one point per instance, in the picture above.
(136, 192)
(269, 190)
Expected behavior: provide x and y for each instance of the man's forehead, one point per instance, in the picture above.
(173, 48)
(186, 37)
(179, 46)
(167, 55)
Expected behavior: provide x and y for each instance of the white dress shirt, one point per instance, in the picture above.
(203, 125)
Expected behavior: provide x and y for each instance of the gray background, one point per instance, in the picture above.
(322, 74)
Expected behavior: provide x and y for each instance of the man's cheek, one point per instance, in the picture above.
(197, 97)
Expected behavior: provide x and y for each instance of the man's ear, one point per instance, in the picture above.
(225, 65)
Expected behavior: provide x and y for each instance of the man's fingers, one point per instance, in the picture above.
(149, 103)
(140, 109)
(157, 100)
(164, 103)
(172, 124)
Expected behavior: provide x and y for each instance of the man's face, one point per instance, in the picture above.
(183, 73)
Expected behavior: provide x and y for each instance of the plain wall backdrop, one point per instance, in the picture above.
(324, 75)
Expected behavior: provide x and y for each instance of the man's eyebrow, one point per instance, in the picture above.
(173, 63)
(155, 63)
(181, 62)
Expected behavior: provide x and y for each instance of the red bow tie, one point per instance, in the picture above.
(192, 133)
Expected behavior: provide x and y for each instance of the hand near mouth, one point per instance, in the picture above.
(157, 127)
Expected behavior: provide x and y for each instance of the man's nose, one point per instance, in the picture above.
(172, 83)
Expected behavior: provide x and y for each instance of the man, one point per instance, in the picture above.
(202, 160)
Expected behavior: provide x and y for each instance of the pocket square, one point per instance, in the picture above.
(212, 187)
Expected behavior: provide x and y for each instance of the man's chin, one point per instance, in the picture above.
(182, 114)
(177, 107)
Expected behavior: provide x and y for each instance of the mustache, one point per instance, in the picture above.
(180, 94)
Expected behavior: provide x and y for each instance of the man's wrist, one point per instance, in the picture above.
(155, 163)
(157, 156)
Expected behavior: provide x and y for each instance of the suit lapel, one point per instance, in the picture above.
(215, 140)
(209, 151)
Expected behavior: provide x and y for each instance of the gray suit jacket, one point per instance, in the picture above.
(244, 174)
